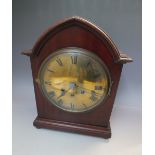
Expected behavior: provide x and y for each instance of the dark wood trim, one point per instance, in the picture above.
(77, 21)
(98, 131)
(27, 52)
(124, 58)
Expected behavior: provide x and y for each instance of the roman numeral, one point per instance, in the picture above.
(74, 59)
(58, 60)
(98, 87)
(50, 70)
(82, 91)
(97, 74)
(60, 102)
(51, 94)
(88, 64)
(48, 82)
(93, 96)
(84, 105)
(72, 106)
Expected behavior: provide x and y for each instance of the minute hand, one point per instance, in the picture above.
(63, 93)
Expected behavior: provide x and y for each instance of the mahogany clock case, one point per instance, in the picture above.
(77, 32)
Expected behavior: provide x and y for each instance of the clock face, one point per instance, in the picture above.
(74, 79)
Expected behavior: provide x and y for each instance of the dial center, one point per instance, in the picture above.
(73, 86)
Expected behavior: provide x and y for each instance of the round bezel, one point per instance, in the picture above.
(77, 51)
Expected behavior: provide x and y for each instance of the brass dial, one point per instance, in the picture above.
(74, 79)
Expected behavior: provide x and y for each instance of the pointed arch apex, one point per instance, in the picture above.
(79, 21)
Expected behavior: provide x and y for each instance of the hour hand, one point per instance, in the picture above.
(58, 83)
(63, 92)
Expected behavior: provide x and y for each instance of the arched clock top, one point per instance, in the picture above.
(79, 22)
(76, 68)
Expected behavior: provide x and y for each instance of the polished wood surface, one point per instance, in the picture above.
(77, 32)
(98, 131)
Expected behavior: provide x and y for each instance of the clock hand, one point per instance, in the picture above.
(55, 87)
(59, 83)
(63, 92)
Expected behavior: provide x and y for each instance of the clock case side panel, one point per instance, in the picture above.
(82, 34)
(100, 115)
(101, 130)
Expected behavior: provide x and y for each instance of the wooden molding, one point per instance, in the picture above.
(124, 58)
(27, 52)
(78, 21)
(98, 131)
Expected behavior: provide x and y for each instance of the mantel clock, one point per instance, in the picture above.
(76, 69)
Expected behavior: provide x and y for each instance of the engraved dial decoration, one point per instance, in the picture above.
(74, 79)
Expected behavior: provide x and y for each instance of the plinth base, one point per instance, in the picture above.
(99, 131)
